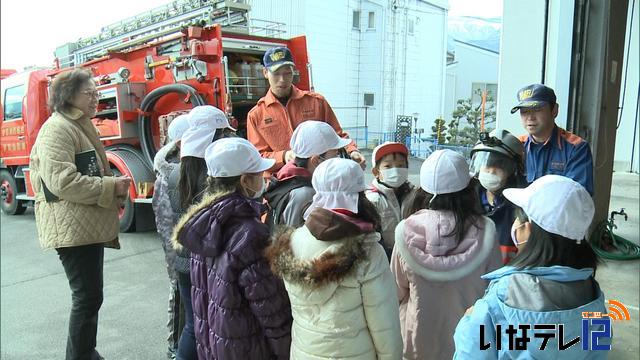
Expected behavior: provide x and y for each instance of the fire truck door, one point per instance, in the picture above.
(14, 141)
(298, 47)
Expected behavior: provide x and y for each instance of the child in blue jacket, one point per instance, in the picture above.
(550, 282)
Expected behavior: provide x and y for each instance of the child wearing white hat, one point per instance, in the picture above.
(337, 274)
(206, 124)
(439, 255)
(165, 162)
(241, 310)
(550, 281)
(390, 188)
(185, 188)
(290, 192)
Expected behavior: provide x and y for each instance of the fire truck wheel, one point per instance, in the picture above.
(8, 191)
(126, 212)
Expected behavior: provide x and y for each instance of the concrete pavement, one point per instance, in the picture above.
(35, 297)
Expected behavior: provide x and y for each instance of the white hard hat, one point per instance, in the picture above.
(557, 204)
(230, 157)
(312, 138)
(444, 172)
(337, 183)
(203, 122)
(178, 126)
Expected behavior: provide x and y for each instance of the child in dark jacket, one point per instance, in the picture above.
(185, 186)
(497, 163)
(241, 309)
(165, 162)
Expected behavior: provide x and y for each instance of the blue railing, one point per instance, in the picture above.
(418, 147)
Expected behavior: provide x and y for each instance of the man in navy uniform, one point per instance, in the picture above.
(548, 148)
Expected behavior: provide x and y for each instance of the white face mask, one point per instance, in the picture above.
(258, 194)
(394, 177)
(490, 181)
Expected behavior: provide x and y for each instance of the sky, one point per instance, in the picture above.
(29, 37)
(30, 31)
(480, 8)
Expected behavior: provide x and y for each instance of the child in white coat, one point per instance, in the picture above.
(337, 274)
(390, 189)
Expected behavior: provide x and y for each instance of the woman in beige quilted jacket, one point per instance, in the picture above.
(77, 201)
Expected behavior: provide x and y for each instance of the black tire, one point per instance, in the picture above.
(8, 191)
(127, 211)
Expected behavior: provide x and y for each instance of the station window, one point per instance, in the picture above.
(368, 99)
(372, 20)
(356, 19)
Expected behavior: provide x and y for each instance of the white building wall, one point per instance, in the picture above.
(558, 59)
(520, 56)
(415, 78)
(451, 95)
(629, 122)
(330, 49)
(472, 65)
(372, 59)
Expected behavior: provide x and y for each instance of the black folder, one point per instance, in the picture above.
(86, 164)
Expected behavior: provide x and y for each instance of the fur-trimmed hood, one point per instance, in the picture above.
(302, 258)
(160, 163)
(331, 266)
(200, 228)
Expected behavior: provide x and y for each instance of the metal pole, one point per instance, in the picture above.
(484, 101)
(366, 128)
(635, 129)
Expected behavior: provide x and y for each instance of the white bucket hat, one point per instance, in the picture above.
(314, 137)
(337, 183)
(557, 204)
(233, 157)
(177, 127)
(203, 123)
(444, 172)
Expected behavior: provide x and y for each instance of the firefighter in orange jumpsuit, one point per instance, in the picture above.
(271, 122)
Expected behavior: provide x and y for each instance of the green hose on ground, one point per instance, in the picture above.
(611, 246)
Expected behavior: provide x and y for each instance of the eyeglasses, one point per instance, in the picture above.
(91, 93)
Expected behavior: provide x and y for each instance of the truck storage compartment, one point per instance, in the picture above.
(116, 115)
(247, 84)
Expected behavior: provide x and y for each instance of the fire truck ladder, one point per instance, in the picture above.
(151, 25)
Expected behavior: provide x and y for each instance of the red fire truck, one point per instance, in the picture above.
(149, 68)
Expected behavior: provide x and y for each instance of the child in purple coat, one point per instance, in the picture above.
(241, 309)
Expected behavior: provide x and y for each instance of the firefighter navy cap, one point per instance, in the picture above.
(534, 96)
(277, 57)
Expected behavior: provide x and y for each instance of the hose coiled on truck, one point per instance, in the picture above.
(147, 105)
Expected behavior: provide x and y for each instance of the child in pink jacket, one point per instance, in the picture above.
(439, 255)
